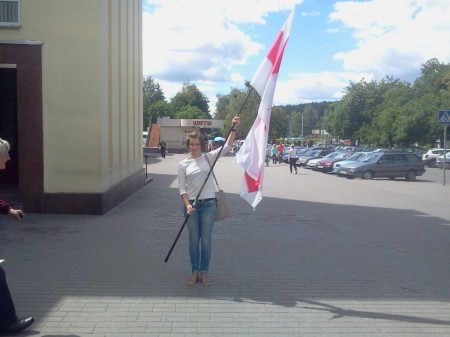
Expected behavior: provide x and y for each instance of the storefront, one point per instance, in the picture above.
(175, 131)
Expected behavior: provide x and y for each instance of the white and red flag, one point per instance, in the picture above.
(251, 156)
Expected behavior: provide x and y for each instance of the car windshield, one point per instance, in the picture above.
(356, 156)
(372, 158)
(332, 155)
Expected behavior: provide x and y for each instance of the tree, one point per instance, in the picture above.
(191, 112)
(233, 103)
(189, 96)
(153, 97)
(156, 109)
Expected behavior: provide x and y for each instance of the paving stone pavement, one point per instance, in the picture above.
(320, 256)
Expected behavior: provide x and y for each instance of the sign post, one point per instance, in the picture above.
(444, 118)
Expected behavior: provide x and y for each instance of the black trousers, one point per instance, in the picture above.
(293, 164)
(7, 309)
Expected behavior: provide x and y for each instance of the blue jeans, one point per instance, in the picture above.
(200, 225)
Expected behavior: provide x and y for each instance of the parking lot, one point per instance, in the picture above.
(319, 256)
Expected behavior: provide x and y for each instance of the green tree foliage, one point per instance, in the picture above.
(189, 96)
(157, 109)
(230, 105)
(191, 112)
(153, 100)
(392, 112)
(376, 113)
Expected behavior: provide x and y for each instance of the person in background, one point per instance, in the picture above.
(280, 148)
(9, 323)
(192, 173)
(163, 149)
(274, 153)
(293, 157)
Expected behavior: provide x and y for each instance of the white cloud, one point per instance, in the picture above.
(394, 37)
(208, 42)
(315, 87)
(201, 40)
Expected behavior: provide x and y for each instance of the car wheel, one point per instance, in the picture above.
(432, 163)
(367, 175)
(411, 175)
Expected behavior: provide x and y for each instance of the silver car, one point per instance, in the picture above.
(429, 158)
(357, 156)
(440, 161)
(385, 165)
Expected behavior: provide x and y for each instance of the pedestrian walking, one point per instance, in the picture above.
(293, 157)
(163, 149)
(192, 173)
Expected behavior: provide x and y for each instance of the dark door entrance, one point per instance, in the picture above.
(8, 124)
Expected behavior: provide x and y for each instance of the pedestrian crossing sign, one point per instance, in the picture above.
(444, 117)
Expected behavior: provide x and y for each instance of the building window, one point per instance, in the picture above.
(10, 13)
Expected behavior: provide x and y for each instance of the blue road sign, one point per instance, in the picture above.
(444, 116)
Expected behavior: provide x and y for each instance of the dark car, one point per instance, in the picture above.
(312, 154)
(326, 164)
(385, 165)
(298, 149)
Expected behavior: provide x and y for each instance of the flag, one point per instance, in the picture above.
(251, 156)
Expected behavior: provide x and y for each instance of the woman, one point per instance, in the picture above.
(293, 157)
(9, 323)
(192, 173)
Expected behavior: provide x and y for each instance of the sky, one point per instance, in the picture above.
(218, 44)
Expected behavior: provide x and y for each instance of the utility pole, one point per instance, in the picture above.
(302, 125)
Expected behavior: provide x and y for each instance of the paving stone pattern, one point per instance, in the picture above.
(319, 256)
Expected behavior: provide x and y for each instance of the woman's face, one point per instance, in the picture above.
(3, 160)
(195, 146)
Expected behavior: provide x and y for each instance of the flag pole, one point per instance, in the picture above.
(206, 179)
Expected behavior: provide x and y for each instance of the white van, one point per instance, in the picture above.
(144, 138)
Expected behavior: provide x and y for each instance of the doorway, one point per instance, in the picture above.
(8, 124)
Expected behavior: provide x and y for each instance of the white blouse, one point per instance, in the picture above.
(192, 173)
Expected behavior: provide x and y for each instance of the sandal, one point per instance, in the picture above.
(193, 279)
(205, 279)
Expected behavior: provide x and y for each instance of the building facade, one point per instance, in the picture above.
(175, 131)
(71, 102)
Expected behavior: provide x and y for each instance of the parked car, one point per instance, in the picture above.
(440, 161)
(357, 156)
(299, 150)
(312, 154)
(409, 149)
(326, 164)
(311, 164)
(385, 165)
(429, 157)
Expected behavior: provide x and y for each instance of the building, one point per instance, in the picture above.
(71, 102)
(175, 131)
